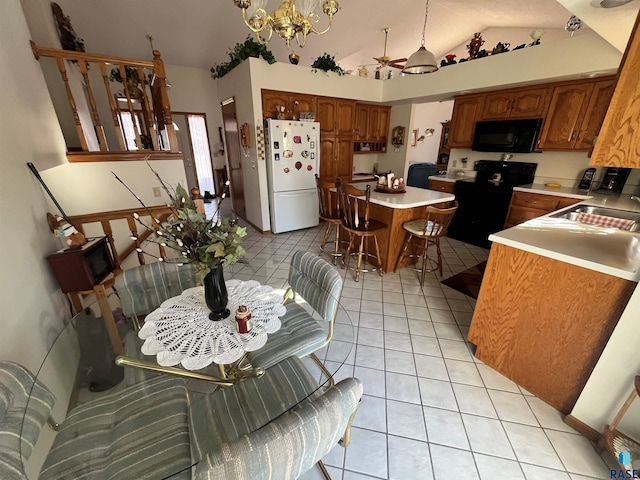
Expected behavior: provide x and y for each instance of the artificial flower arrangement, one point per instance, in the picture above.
(205, 243)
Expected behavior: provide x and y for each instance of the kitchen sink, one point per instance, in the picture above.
(573, 213)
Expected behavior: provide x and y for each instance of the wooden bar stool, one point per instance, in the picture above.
(357, 223)
(428, 231)
(331, 214)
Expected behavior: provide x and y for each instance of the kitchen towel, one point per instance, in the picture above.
(604, 221)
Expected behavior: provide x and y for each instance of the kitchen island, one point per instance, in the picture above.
(394, 209)
(552, 294)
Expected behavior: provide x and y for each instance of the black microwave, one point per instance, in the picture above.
(516, 136)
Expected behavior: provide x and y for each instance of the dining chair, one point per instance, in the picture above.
(152, 430)
(358, 224)
(427, 232)
(141, 290)
(320, 285)
(330, 214)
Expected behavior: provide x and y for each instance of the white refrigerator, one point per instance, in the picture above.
(292, 155)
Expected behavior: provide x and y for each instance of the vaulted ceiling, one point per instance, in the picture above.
(197, 33)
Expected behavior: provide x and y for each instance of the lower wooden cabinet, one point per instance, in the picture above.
(525, 206)
(442, 186)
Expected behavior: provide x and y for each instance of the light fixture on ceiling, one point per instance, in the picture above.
(613, 3)
(292, 19)
(423, 61)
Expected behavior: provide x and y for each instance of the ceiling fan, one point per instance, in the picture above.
(385, 61)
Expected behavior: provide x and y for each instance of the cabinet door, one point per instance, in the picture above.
(374, 117)
(346, 117)
(441, 186)
(327, 116)
(466, 111)
(594, 115)
(328, 152)
(271, 100)
(383, 124)
(529, 103)
(362, 123)
(497, 106)
(344, 158)
(306, 103)
(566, 111)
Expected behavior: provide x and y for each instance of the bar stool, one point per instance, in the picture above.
(429, 231)
(357, 223)
(331, 214)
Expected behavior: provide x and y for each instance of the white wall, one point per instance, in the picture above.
(427, 115)
(33, 308)
(611, 381)
(392, 160)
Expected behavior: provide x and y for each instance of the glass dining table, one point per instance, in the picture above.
(80, 367)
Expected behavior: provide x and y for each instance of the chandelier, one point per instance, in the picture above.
(292, 19)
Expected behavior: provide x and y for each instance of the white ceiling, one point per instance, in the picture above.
(198, 33)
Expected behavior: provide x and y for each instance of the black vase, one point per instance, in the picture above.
(215, 294)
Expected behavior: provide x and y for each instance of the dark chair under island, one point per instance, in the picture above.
(427, 232)
(358, 224)
(330, 214)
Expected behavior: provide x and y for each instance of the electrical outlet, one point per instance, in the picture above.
(157, 192)
(454, 163)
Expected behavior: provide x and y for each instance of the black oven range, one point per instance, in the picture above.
(484, 201)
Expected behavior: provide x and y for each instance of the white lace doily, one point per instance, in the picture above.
(180, 332)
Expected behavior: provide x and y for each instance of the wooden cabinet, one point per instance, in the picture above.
(529, 103)
(336, 156)
(371, 123)
(544, 323)
(618, 144)
(575, 114)
(336, 116)
(525, 206)
(467, 110)
(444, 150)
(441, 185)
(272, 99)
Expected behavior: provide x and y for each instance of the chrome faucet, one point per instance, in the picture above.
(637, 199)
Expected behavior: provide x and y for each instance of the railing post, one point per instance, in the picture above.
(72, 103)
(113, 107)
(94, 109)
(165, 106)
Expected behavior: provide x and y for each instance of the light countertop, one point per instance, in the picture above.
(556, 191)
(607, 250)
(414, 197)
(449, 177)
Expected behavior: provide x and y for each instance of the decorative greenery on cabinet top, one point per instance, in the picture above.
(327, 63)
(239, 53)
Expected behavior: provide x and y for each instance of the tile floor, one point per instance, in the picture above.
(430, 410)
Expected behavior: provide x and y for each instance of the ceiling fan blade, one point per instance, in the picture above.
(398, 60)
(396, 66)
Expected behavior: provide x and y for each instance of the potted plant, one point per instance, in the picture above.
(239, 53)
(327, 63)
(131, 81)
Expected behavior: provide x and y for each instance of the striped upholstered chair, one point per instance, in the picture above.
(320, 285)
(149, 431)
(142, 289)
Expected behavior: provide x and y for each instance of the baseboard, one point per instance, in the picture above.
(583, 428)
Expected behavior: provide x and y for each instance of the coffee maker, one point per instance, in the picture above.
(613, 180)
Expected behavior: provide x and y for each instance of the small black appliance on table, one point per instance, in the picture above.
(484, 201)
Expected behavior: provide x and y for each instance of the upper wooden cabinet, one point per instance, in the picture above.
(336, 155)
(529, 103)
(618, 144)
(575, 115)
(294, 103)
(336, 116)
(372, 123)
(467, 111)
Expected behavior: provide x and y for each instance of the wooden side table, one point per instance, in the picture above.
(86, 270)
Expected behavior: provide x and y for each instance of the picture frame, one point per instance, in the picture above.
(397, 136)
(414, 137)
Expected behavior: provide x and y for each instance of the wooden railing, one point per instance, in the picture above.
(140, 114)
(151, 216)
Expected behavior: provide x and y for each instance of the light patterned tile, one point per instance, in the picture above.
(396, 324)
(408, 459)
(426, 345)
(403, 388)
(548, 416)
(578, 454)
(431, 367)
(372, 414)
(455, 350)
(373, 381)
(534, 472)
(445, 427)
(463, 372)
(486, 435)
(405, 420)
(474, 400)
(447, 331)
(399, 362)
(371, 337)
(397, 341)
(495, 380)
(532, 445)
(420, 327)
(512, 407)
(492, 468)
(367, 452)
(370, 357)
(436, 393)
(450, 463)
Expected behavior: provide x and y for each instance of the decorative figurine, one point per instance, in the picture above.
(500, 48)
(535, 35)
(243, 319)
(475, 44)
(450, 60)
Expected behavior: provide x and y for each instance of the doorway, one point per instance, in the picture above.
(193, 142)
(234, 156)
